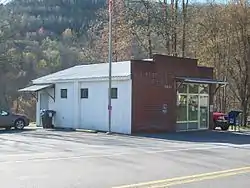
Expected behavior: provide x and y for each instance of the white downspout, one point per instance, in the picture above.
(76, 103)
(38, 103)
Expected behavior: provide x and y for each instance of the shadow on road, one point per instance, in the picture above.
(204, 136)
(218, 137)
(14, 131)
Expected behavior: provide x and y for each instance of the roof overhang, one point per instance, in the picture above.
(88, 79)
(35, 88)
(201, 80)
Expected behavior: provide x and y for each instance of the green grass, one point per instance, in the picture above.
(241, 128)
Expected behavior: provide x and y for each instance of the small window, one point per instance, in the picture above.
(84, 93)
(114, 93)
(64, 93)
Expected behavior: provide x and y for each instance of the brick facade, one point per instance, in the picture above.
(154, 87)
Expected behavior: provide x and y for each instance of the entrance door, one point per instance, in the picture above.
(193, 112)
(193, 107)
(44, 101)
(44, 104)
(204, 111)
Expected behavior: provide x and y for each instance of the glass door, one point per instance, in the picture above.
(204, 111)
(182, 115)
(192, 107)
(193, 112)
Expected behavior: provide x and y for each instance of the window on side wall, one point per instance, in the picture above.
(114, 93)
(84, 93)
(64, 93)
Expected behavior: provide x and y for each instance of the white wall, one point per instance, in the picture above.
(91, 113)
(52, 105)
(64, 107)
(94, 110)
(38, 119)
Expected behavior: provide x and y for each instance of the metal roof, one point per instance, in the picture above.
(100, 70)
(35, 88)
(202, 80)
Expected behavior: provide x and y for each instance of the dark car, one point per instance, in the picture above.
(9, 120)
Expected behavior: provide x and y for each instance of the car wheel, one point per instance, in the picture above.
(19, 124)
(224, 127)
(214, 125)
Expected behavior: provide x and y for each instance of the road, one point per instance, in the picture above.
(61, 159)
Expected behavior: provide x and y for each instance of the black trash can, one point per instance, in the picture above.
(47, 118)
(50, 115)
(43, 117)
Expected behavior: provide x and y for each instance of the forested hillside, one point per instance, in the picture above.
(38, 37)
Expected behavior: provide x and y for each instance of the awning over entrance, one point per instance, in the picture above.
(201, 80)
(35, 88)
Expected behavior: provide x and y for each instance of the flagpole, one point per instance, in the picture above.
(110, 64)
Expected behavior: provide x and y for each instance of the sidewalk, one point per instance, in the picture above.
(33, 126)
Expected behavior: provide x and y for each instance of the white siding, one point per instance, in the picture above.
(90, 113)
(38, 120)
(52, 105)
(64, 107)
(94, 110)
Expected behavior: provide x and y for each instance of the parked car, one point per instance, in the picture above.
(220, 120)
(9, 120)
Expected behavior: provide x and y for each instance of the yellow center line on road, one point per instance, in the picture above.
(188, 179)
(201, 179)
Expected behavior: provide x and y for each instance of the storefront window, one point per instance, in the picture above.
(203, 111)
(193, 105)
(203, 89)
(182, 88)
(182, 108)
(193, 88)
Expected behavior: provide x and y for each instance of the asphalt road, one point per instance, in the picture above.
(59, 159)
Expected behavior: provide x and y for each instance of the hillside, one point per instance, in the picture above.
(57, 15)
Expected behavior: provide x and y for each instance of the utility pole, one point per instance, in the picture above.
(110, 65)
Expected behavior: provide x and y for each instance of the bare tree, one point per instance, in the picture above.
(141, 11)
(184, 25)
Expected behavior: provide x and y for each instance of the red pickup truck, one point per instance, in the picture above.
(220, 120)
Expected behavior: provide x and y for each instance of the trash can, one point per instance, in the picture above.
(43, 117)
(50, 115)
(47, 118)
